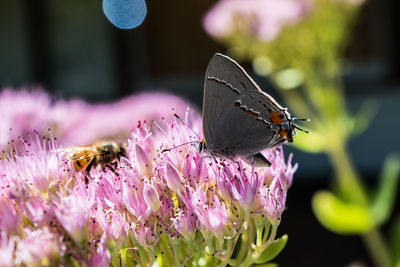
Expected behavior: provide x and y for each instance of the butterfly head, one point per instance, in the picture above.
(201, 146)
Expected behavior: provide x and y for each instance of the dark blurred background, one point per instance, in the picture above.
(71, 50)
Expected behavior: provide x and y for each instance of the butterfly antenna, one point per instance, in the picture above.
(184, 122)
(297, 127)
(297, 119)
(168, 149)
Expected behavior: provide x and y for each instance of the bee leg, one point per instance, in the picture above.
(114, 164)
(88, 168)
(111, 168)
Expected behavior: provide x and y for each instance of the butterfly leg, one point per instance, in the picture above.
(232, 160)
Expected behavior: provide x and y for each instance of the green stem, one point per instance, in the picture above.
(349, 184)
(123, 258)
(259, 236)
(176, 255)
(377, 248)
(352, 189)
(227, 254)
(249, 248)
(246, 238)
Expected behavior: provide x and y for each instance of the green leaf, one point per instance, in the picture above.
(273, 250)
(311, 143)
(340, 217)
(360, 122)
(385, 197)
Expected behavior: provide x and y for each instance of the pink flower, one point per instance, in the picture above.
(143, 160)
(9, 216)
(72, 212)
(134, 199)
(23, 112)
(184, 223)
(276, 182)
(7, 244)
(39, 247)
(101, 257)
(173, 178)
(240, 186)
(212, 216)
(261, 18)
(145, 234)
(151, 197)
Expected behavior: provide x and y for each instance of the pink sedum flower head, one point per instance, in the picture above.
(154, 201)
(261, 18)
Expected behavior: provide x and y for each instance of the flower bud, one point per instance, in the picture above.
(151, 197)
(173, 177)
(143, 160)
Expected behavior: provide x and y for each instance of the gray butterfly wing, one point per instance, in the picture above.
(257, 160)
(219, 92)
(241, 130)
(227, 69)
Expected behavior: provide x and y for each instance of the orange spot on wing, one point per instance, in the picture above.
(275, 118)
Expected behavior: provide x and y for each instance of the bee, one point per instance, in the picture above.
(102, 153)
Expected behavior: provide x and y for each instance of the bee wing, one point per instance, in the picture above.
(82, 151)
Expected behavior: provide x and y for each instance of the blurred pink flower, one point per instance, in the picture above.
(72, 212)
(23, 112)
(39, 247)
(262, 18)
(76, 122)
(82, 123)
(7, 245)
(9, 216)
(102, 256)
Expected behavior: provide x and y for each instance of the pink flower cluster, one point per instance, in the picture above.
(261, 18)
(48, 214)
